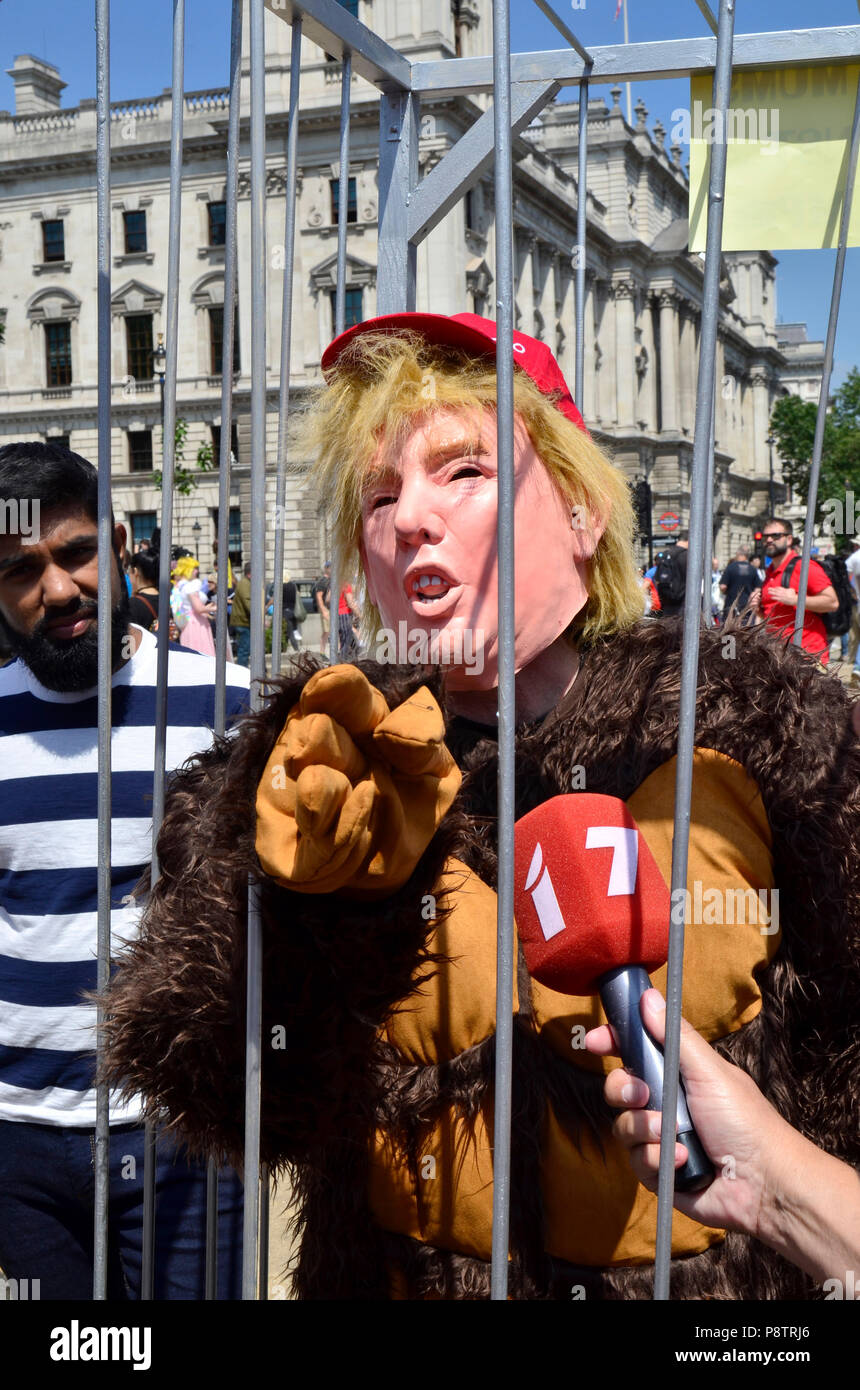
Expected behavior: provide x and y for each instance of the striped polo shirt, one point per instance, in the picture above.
(49, 858)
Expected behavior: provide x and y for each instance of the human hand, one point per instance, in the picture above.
(353, 792)
(741, 1132)
(755, 600)
(786, 596)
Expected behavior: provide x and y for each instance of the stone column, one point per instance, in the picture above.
(760, 423)
(625, 353)
(566, 317)
(608, 336)
(722, 407)
(670, 384)
(525, 292)
(591, 384)
(647, 371)
(687, 370)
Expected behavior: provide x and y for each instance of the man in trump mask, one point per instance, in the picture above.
(362, 800)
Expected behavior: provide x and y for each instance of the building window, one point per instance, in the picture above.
(58, 353)
(353, 306)
(351, 7)
(216, 340)
(142, 526)
(138, 337)
(217, 223)
(140, 451)
(53, 241)
(351, 200)
(135, 232)
(234, 533)
(216, 443)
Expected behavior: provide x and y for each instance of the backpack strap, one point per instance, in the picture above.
(145, 600)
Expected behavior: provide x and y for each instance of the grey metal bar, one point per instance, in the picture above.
(167, 478)
(328, 24)
(286, 340)
(465, 162)
(224, 469)
(708, 540)
(690, 648)
(567, 33)
(210, 1292)
(507, 663)
(105, 607)
(640, 61)
(254, 992)
(340, 316)
(708, 13)
(231, 259)
(343, 195)
(398, 175)
(829, 348)
(581, 210)
(263, 1271)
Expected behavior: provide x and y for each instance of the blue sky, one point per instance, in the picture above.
(62, 32)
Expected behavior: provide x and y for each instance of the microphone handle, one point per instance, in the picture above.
(620, 992)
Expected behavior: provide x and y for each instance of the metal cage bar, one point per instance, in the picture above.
(340, 317)
(690, 647)
(105, 605)
(254, 994)
(224, 462)
(635, 62)
(581, 214)
(507, 666)
(286, 340)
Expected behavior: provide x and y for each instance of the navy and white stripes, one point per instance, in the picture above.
(48, 861)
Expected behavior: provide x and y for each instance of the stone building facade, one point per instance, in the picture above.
(643, 288)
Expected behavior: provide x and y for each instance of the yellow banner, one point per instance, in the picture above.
(788, 131)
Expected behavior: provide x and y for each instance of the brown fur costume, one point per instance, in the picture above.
(334, 971)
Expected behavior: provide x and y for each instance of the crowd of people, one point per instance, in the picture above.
(764, 588)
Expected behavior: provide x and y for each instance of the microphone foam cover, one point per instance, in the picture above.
(588, 894)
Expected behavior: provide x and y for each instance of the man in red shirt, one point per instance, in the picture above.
(778, 602)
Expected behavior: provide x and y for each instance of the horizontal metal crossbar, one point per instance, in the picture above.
(636, 61)
(328, 24)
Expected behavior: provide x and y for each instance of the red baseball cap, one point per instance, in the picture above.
(475, 335)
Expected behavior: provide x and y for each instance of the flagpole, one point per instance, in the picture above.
(627, 40)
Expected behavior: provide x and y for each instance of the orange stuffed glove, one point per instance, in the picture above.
(353, 792)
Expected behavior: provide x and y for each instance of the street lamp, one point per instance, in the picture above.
(159, 357)
(770, 441)
(196, 529)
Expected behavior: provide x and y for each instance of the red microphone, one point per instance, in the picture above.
(592, 911)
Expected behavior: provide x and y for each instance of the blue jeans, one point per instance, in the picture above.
(47, 1189)
(243, 646)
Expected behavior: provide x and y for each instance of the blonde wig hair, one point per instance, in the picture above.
(383, 383)
(184, 568)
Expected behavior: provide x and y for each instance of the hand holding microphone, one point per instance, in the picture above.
(738, 1128)
(592, 911)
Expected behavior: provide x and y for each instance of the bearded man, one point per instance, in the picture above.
(49, 855)
(362, 799)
